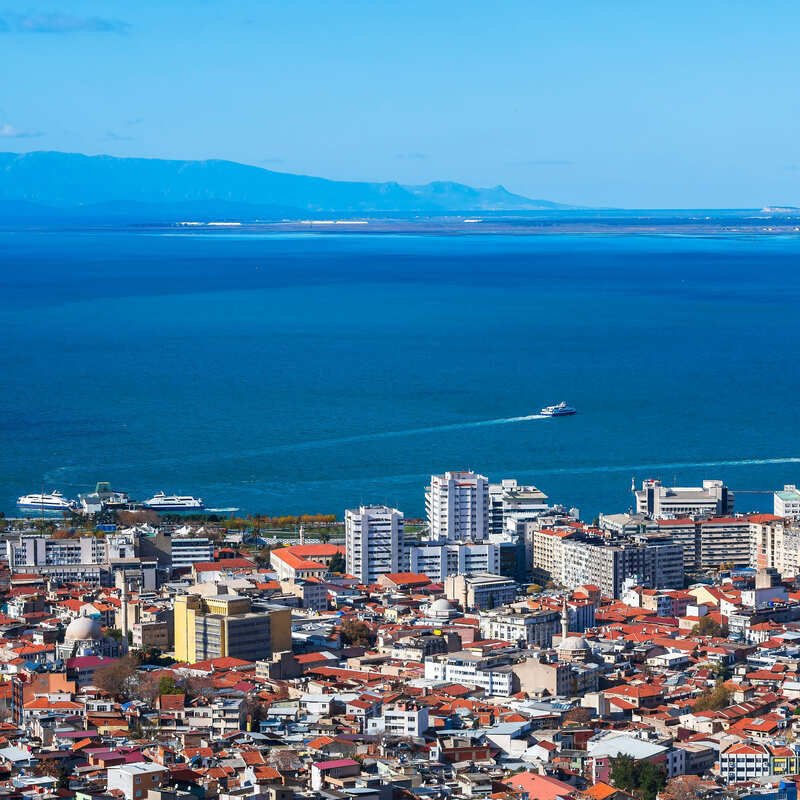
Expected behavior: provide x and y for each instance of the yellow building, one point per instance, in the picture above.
(225, 625)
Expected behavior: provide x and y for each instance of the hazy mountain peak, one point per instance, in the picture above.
(68, 181)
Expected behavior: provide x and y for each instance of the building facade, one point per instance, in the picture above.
(712, 499)
(511, 504)
(457, 504)
(225, 626)
(373, 542)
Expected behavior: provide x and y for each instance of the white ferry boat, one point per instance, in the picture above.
(45, 501)
(174, 502)
(560, 410)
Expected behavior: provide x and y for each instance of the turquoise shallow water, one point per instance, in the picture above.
(303, 373)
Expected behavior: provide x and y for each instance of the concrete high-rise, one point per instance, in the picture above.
(373, 542)
(457, 504)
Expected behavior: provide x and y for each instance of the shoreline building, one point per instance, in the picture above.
(457, 504)
(786, 503)
(511, 504)
(712, 499)
(373, 542)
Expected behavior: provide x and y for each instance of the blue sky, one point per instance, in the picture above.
(665, 104)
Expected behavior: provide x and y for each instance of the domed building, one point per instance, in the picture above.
(84, 637)
(571, 648)
(440, 610)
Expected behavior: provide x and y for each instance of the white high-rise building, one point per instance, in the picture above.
(373, 541)
(787, 502)
(511, 504)
(440, 560)
(458, 507)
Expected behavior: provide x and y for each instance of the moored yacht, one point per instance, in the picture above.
(174, 502)
(45, 501)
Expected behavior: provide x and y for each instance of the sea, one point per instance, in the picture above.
(304, 373)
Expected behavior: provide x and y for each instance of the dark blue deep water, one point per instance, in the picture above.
(311, 373)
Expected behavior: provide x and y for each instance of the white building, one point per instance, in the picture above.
(787, 502)
(535, 628)
(510, 504)
(712, 499)
(439, 561)
(134, 780)
(36, 551)
(457, 504)
(373, 541)
(401, 719)
(186, 550)
(471, 669)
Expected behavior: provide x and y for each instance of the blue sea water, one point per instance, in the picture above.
(289, 373)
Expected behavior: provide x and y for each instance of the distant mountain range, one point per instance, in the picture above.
(71, 185)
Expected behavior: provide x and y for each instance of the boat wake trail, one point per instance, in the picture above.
(737, 462)
(368, 437)
(58, 475)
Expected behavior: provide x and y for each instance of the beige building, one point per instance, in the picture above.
(548, 551)
(480, 591)
(724, 540)
(152, 634)
(774, 543)
(556, 679)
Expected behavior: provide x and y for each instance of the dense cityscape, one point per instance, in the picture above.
(502, 648)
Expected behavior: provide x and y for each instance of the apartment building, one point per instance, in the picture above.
(440, 560)
(712, 499)
(401, 719)
(786, 503)
(457, 505)
(373, 542)
(774, 542)
(493, 674)
(535, 629)
(187, 550)
(511, 504)
(607, 565)
(724, 540)
(24, 552)
(684, 532)
(547, 551)
(747, 760)
(135, 780)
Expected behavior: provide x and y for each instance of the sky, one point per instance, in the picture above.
(617, 103)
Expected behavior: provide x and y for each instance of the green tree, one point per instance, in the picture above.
(713, 699)
(708, 626)
(337, 563)
(262, 556)
(534, 588)
(640, 777)
(167, 685)
(63, 778)
(722, 671)
(356, 633)
(116, 678)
